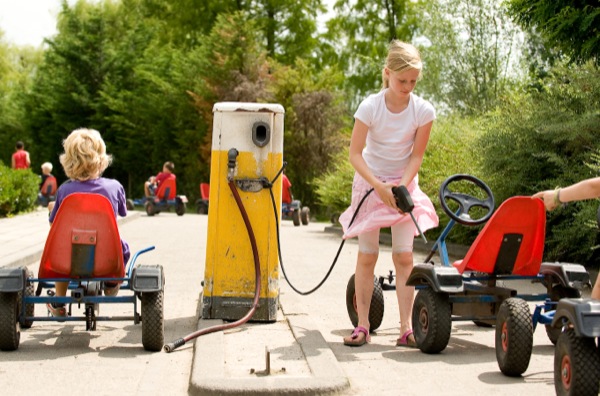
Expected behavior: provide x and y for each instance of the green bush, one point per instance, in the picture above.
(18, 190)
(541, 140)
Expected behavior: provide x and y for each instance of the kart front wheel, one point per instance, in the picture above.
(576, 365)
(180, 208)
(432, 320)
(296, 217)
(305, 215)
(514, 336)
(153, 329)
(150, 208)
(10, 329)
(558, 292)
(376, 308)
(129, 204)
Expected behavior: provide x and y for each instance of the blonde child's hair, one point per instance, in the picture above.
(85, 155)
(47, 166)
(401, 57)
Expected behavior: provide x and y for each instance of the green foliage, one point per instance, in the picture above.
(469, 54)
(18, 190)
(542, 140)
(571, 26)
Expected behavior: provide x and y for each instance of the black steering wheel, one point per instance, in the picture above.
(465, 201)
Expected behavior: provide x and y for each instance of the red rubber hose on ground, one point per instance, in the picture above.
(181, 341)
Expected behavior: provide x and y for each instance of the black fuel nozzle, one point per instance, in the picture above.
(231, 162)
(405, 203)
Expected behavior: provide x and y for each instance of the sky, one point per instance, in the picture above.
(27, 22)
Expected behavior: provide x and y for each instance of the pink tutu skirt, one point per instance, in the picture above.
(374, 214)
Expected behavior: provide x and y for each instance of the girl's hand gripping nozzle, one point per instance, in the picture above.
(406, 205)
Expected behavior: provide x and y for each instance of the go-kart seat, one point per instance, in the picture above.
(512, 241)
(204, 191)
(83, 241)
(49, 187)
(167, 189)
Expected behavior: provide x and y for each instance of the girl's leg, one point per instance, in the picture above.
(402, 256)
(368, 251)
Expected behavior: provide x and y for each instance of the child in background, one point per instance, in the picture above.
(151, 186)
(84, 161)
(20, 158)
(389, 139)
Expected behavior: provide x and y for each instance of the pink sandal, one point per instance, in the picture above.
(405, 341)
(359, 336)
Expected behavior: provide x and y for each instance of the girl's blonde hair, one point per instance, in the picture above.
(401, 57)
(85, 155)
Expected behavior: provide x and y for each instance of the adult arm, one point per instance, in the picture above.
(585, 189)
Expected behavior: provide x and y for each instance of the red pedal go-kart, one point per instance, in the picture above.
(83, 248)
(164, 199)
(508, 248)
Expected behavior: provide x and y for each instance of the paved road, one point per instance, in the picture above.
(64, 359)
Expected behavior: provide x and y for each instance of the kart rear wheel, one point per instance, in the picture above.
(514, 337)
(129, 204)
(29, 308)
(375, 310)
(296, 217)
(10, 329)
(558, 292)
(432, 321)
(153, 329)
(180, 208)
(150, 208)
(201, 208)
(576, 365)
(305, 215)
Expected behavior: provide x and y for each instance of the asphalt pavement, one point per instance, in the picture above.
(301, 353)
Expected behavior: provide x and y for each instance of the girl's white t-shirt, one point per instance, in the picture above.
(391, 136)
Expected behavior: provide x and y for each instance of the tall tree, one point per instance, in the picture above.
(571, 26)
(470, 53)
(358, 36)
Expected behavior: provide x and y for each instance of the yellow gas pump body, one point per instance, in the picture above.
(255, 130)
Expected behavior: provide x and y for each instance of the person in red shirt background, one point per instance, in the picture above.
(20, 158)
(286, 192)
(152, 184)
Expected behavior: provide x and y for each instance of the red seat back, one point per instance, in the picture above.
(204, 190)
(49, 187)
(512, 241)
(167, 188)
(84, 240)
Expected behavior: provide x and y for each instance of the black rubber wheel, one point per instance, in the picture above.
(558, 292)
(305, 215)
(180, 208)
(375, 310)
(29, 308)
(514, 337)
(10, 329)
(153, 329)
(150, 208)
(296, 217)
(201, 208)
(432, 320)
(129, 204)
(335, 218)
(576, 365)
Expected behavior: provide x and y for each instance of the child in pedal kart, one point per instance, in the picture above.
(585, 189)
(84, 161)
(389, 138)
(151, 186)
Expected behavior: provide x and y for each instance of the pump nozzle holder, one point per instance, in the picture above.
(231, 162)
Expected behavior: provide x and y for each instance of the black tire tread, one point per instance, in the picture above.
(514, 361)
(585, 365)
(153, 330)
